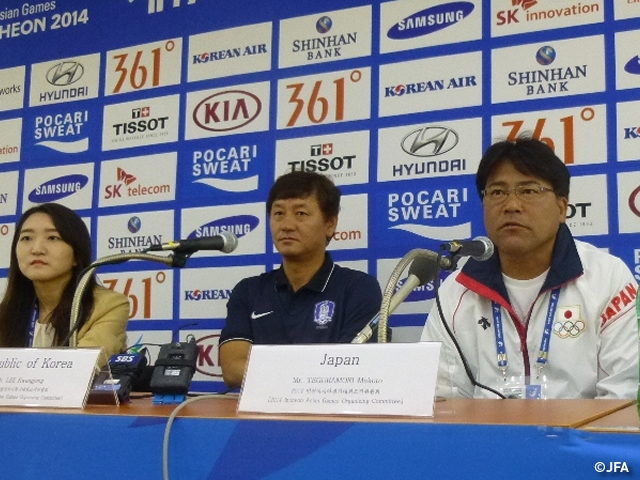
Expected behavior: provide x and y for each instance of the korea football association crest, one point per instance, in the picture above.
(323, 312)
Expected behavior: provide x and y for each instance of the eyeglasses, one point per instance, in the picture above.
(526, 193)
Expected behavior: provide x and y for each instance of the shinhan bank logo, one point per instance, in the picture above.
(158, 5)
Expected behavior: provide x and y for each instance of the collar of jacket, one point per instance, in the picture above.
(485, 278)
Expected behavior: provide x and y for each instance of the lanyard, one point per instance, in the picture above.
(35, 311)
(543, 353)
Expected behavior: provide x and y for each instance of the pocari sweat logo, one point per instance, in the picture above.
(58, 188)
(239, 225)
(430, 20)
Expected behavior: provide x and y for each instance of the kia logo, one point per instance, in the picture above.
(429, 141)
(633, 202)
(65, 73)
(226, 111)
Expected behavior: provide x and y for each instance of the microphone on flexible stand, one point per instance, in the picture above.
(480, 248)
(225, 242)
(421, 271)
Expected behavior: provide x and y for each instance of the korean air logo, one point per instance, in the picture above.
(429, 141)
(58, 188)
(239, 225)
(64, 74)
(227, 111)
(205, 295)
(546, 55)
(633, 66)
(430, 20)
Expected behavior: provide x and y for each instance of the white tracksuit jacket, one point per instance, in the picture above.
(593, 349)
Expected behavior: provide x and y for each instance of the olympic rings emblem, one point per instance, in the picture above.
(568, 328)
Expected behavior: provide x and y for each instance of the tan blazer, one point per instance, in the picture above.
(107, 325)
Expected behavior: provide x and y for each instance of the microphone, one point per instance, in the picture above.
(225, 242)
(480, 248)
(421, 271)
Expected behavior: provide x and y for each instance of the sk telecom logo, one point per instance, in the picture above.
(113, 191)
(125, 177)
(158, 5)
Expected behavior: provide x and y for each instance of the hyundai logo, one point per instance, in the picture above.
(64, 74)
(429, 141)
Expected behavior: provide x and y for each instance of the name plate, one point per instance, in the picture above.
(351, 379)
(46, 377)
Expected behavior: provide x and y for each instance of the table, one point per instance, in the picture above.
(209, 440)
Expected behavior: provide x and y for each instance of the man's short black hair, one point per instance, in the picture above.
(529, 157)
(299, 184)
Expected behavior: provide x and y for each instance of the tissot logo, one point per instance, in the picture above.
(430, 20)
(65, 73)
(141, 112)
(58, 188)
(227, 110)
(429, 141)
(326, 162)
(239, 225)
(633, 66)
(141, 122)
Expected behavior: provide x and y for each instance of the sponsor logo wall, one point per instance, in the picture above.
(176, 127)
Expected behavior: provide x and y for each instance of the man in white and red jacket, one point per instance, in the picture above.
(547, 316)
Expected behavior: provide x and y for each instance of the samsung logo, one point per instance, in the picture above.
(58, 188)
(430, 20)
(239, 225)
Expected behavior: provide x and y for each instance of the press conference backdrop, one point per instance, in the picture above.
(166, 119)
